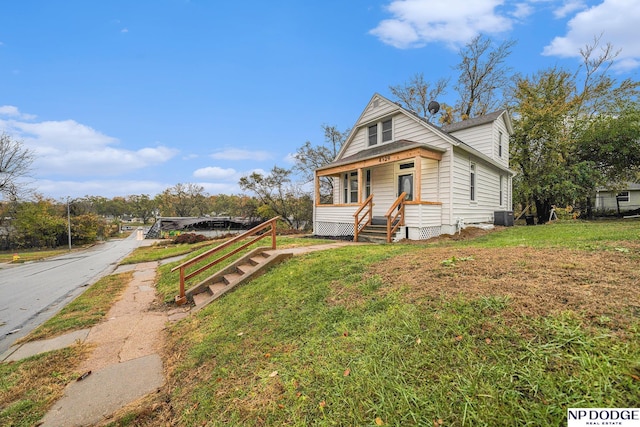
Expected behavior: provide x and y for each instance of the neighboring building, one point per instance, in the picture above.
(452, 175)
(628, 199)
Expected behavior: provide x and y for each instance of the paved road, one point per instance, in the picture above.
(33, 292)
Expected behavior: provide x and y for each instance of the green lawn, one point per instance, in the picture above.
(320, 340)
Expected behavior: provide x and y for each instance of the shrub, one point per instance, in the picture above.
(189, 238)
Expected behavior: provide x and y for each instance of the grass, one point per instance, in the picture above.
(324, 339)
(86, 310)
(30, 255)
(160, 251)
(321, 341)
(30, 386)
(584, 235)
(168, 283)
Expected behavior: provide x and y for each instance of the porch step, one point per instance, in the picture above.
(373, 234)
(243, 270)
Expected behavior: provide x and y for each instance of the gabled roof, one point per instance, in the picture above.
(476, 121)
(443, 132)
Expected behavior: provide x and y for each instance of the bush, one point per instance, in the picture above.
(189, 238)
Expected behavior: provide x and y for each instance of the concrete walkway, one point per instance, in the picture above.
(125, 364)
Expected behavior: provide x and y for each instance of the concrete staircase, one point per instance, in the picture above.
(246, 268)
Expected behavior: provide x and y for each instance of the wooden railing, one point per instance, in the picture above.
(368, 213)
(395, 216)
(184, 276)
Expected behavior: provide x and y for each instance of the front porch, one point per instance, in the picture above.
(397, 184)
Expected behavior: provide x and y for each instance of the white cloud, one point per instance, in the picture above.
(568, 8)
(290, 158)
(615, 20)
(238, 154)
(12, 111)
(214, 172)
(415, 23)
(522, 10)
(69, 148)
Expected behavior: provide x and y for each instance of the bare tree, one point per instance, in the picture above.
(483, 76)
(309, 158)
(416, 94)
(15, 163)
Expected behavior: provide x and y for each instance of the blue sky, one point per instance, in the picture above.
(119, 97)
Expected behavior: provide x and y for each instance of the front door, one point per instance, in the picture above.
(405, 184)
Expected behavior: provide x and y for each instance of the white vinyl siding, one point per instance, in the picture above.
(486, 187)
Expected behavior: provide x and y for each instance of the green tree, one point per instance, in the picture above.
(142, 206)
(560, 120)
(183, 200)
(41, 223)
(276, 193)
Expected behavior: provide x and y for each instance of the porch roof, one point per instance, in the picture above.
(397, 148)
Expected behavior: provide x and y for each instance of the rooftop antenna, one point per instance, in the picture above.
(433, 108)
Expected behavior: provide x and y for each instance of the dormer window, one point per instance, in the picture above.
(386, 131)
(373, 134)
(380, 132)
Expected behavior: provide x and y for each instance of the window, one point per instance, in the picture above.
(623, 196)
(367, 184)
(373, 134)
(386, 131)
(472, 181)
(406, 165)
(380, 132)
(501, 185)
(499, 144)
(351, 187)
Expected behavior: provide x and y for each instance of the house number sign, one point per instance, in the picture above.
(383, 159)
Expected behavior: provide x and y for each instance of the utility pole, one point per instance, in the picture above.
(69, 223)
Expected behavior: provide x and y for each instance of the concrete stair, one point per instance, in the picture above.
(241, 271)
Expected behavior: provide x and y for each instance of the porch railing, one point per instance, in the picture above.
(395, 216)
(363, 212)
(184, 276)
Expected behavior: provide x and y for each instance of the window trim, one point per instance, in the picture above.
(380, 136)
(370, 134)
(349, 190)
(473, 172)
(623, 196)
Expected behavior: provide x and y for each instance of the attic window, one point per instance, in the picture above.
(373, 134)
(380, 132)
(499, 144)
(386, 130)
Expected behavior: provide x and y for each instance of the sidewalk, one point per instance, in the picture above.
(125, 364)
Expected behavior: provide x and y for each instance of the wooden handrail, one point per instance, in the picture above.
(369, 213)
(181, 298)
(391, 217)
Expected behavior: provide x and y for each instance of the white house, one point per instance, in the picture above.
(414, 179)
(626, 199)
